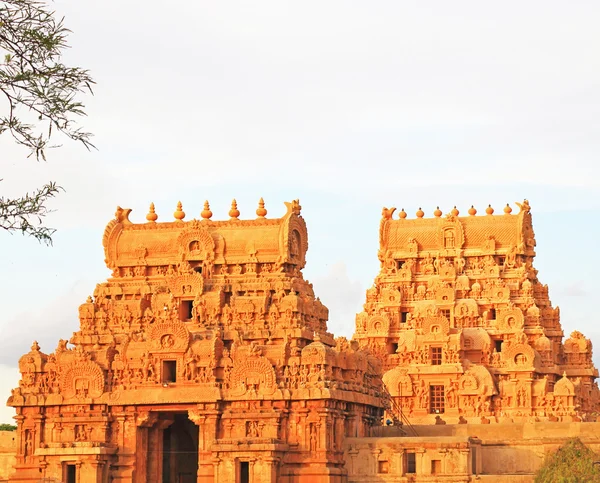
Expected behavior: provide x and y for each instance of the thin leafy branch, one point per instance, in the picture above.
(26, 214)
(41, 95)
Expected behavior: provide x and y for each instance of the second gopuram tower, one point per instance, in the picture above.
(464, 328)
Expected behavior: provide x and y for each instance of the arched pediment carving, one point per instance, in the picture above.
(451, 235)
(186, 285)
(434, 326)
(168, 336)
(293, 243)
(476, 380)
(82, 380)
(378, 325)
(398, 382)
(564, 387)
(252, 375)
(195, 243)
(519, 357)
(511, 319)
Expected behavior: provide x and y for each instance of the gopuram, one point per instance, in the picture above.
(464, 329)
(205, 357)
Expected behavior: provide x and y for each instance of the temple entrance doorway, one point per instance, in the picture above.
(180, 451)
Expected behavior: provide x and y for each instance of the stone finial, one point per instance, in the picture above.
(455, 211)
(472, 211)
(489, 210)
(89, 300)
(206, 213)
(261, 211)
(420, 213)
(402, 214)
(507, 209)
(35, 347)
(179, 214)
(234, 212)
(437, 213)
(151, 216)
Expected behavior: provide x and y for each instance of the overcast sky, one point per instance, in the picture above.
(349, 106)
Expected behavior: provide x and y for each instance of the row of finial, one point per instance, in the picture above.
(206, 213)
(454, 212)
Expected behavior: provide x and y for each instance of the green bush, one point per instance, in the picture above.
(7, 427)
(572, 463)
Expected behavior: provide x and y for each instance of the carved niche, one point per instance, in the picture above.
(294, 237)
(519, 357)
(378, 325)
(195, 243)
(451, 234)
(435, 327)
(511, 319)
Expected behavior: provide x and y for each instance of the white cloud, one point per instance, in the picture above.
(342, 296)
(350, 105)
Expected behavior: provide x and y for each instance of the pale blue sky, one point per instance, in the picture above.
(349, 106)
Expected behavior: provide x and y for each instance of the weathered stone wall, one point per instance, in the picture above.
(8, 451)
(504, 453)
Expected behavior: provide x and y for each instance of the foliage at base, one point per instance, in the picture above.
(7, 427)
(572, 463)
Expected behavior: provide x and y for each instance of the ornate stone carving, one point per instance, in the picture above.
(82, 380)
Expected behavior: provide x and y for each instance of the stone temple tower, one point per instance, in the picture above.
(464, 328)
(205, 357)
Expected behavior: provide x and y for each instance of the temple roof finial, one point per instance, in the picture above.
(179, 214)
(234, 213)
(206, 213)
(151, 216)
(261, 211)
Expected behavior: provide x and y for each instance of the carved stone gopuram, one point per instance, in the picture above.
(464, 328)
(205, 357)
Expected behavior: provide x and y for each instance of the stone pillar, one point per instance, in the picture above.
(207, 434)
(79, 479)
(216, 462)
(154, 448)
(398, 466)
(141, 453)
(272, 463)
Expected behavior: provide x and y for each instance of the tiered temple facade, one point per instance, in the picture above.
(204, 358)
(464, 329)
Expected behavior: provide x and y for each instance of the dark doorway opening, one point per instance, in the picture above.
(244, 472)
(169, 372)
(71, 476)
(180, 451)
